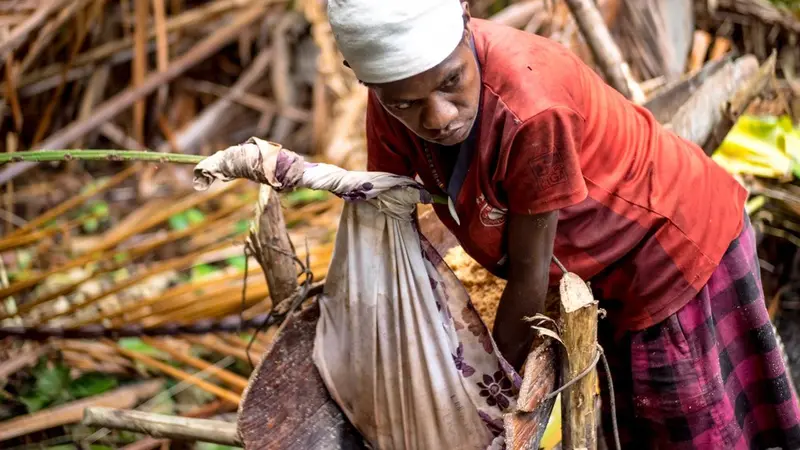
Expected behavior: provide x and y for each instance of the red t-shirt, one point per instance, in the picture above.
(643, 214)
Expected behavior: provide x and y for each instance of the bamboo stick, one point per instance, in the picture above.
(20, 32)
(214, 343)
(139, 67)
(207, 286)
(125, 397)
(162, 48)
(47, 34)
(223, 394)
(227, 377)
(188, 139)
(193, 17)
(605, 51)
(131, 254)
(75, 201)
(177, 263)
(164, 426)
(122, 101)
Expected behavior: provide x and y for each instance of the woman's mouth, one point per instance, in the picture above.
(453, 136)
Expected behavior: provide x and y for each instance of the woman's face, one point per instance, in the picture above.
(439, 105)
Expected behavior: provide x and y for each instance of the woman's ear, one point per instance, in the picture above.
(466, 17)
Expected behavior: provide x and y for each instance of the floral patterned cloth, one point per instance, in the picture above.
(399, 345)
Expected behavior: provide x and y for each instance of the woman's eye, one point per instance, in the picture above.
(452, 81)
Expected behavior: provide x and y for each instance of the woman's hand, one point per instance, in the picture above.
(530, 251)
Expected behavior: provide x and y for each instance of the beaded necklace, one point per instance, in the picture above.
(432, 166)
(450, 205)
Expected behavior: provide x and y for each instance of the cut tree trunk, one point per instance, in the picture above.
(286, 405)
(579, 333)
(702, 115)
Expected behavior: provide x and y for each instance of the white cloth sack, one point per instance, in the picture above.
(399, 345)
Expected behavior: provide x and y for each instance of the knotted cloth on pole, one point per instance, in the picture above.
(399, 345)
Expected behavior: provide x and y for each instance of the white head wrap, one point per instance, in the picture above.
(390, 40)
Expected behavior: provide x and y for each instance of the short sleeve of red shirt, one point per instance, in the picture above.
(386, 147)
(542, 166)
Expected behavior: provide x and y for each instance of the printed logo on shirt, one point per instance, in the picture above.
(549, 170)
(489, 215)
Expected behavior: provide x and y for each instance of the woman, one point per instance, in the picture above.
(540, 158)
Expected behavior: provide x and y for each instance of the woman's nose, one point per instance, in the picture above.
(438, 114)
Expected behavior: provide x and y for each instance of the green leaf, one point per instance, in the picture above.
(100, 209)
(237, 262)
(92, 383)
(52, 382)
(305, 195)
(121, 257)
(203, 270)
(100, 447)
(195, 216)
(242, 226)
(24, 258)
(62, 447)
(136, 345)
(120, 274)
(91, 225)
(34, 402)
(785, 123)
(210, 446)
(179, 221)
(94, 184)
(294, 223)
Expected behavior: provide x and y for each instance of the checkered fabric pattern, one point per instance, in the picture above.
(710, 376)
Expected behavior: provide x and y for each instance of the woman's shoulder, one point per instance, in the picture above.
(528, 73)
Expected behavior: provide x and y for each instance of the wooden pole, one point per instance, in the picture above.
(579, 334)
(164, 426)
(607, 54)
(703, 115)
(269, 242)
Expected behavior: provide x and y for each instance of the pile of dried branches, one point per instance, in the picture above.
(109, 243)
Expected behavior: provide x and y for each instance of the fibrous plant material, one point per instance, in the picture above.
(485, 290)
(125, 99)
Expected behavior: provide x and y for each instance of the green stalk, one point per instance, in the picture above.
(439, 199)
(115, 155)
(99, 155)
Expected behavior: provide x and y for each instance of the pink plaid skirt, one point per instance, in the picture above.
(711, 376)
